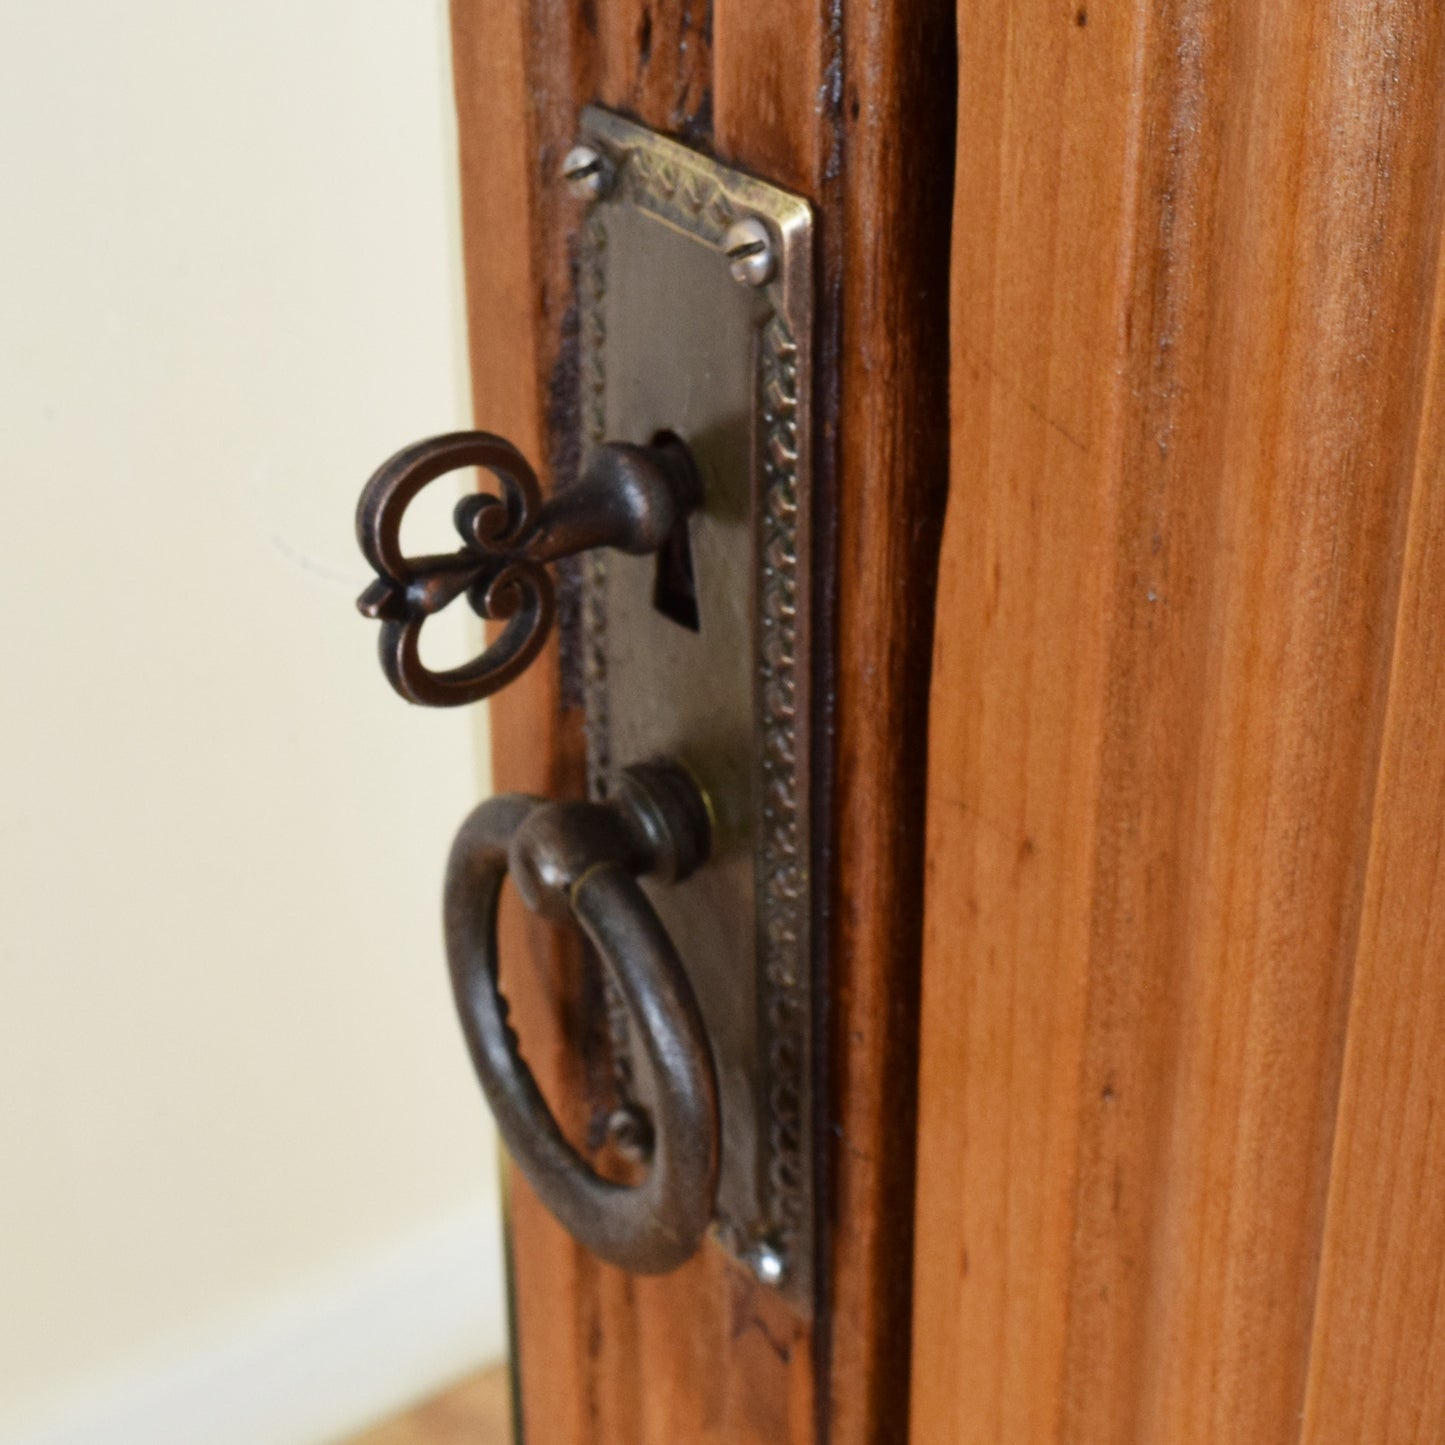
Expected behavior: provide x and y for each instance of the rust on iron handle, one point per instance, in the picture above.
(581, 861)
(629, 497)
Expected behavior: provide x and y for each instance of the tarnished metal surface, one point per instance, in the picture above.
(579, 860)
(683, 334)
(630, 498)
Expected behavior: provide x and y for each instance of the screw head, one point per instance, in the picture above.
(749, 247)
(630, 1131)
(767, 1263)
(587, 172)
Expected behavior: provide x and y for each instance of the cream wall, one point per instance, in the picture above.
(246, 1182)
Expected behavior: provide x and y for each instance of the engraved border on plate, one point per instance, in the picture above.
(592, 288)
(693, 194)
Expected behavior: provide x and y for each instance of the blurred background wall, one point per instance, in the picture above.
(247, 1184)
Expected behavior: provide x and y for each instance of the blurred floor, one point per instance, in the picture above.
(475, 1412)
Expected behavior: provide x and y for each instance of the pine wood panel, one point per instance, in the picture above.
(812, 95)
(1191, 242)
(1377, 1366)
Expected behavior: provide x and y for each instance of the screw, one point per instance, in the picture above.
(587, 173)
(767, 1263)
(749, 246)
(630, 1131)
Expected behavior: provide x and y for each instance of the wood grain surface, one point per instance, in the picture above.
(1377, 1362)
(475, 1412)
(813, 96)
(897, 91)
(1184, 786)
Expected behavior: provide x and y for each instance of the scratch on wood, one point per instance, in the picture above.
(1013, 390)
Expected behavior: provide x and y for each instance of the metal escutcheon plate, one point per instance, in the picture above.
(673, 341)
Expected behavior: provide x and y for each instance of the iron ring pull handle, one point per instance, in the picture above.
(581, 861)
(629, 497)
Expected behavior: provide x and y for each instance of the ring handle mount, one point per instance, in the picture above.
(582, 861)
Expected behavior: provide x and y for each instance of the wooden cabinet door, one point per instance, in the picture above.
(1129, 451)
(1181, 1163)
(850, 103)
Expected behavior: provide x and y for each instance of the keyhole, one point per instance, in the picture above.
(674, 586)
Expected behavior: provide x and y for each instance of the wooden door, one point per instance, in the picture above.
(849, 104)
(1182, 1172)
(1147, 297)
